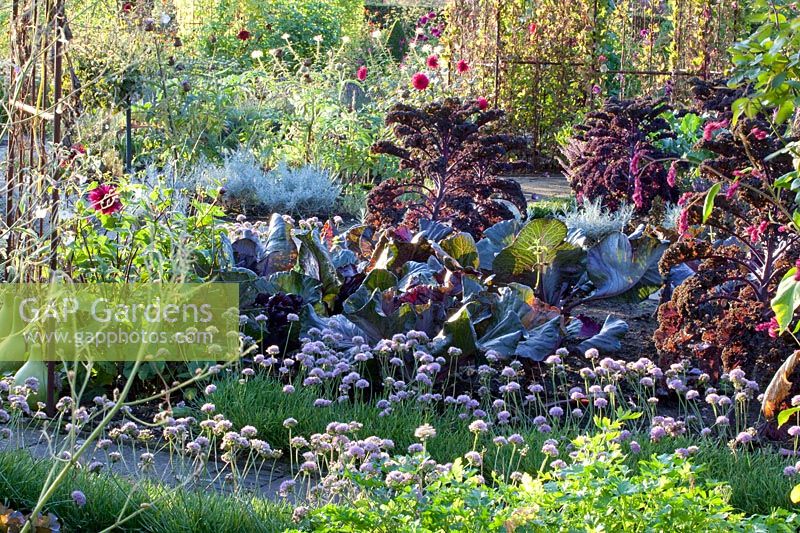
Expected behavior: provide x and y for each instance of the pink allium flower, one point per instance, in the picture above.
(104, 199)
(243, 35)
(361, 73)
(433, 61)
(462, 66)
(759, 134)
(711, 127)
(596, 89)
(482, 102)
(420, 81)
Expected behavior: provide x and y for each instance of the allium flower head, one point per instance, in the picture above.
(425, 432)
(478, 426)
(550, 449)
(361, 73)
(474, 458)
(79, 498)
(286, 487)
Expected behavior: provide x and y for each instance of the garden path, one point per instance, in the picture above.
(165, 469)
(544, 185)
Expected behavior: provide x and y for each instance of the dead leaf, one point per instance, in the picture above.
(778, 388)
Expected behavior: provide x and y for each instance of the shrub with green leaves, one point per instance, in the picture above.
(234, 28)
(593, 491)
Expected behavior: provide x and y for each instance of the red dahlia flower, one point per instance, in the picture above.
(104, 199)
(482, 102)
(433, 61)
(462, 66)
(243, 35)
(361, 73)
(420, 81)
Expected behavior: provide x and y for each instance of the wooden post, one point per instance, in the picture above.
(497, 52)
(58, 74)
(128, 136)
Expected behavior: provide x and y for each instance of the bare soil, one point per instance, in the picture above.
(641, 319)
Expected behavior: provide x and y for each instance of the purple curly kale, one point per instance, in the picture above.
(614, 155)
(454, 163)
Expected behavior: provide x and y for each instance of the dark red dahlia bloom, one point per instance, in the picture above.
(243, 35)
(420, 81)
(105, 199)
